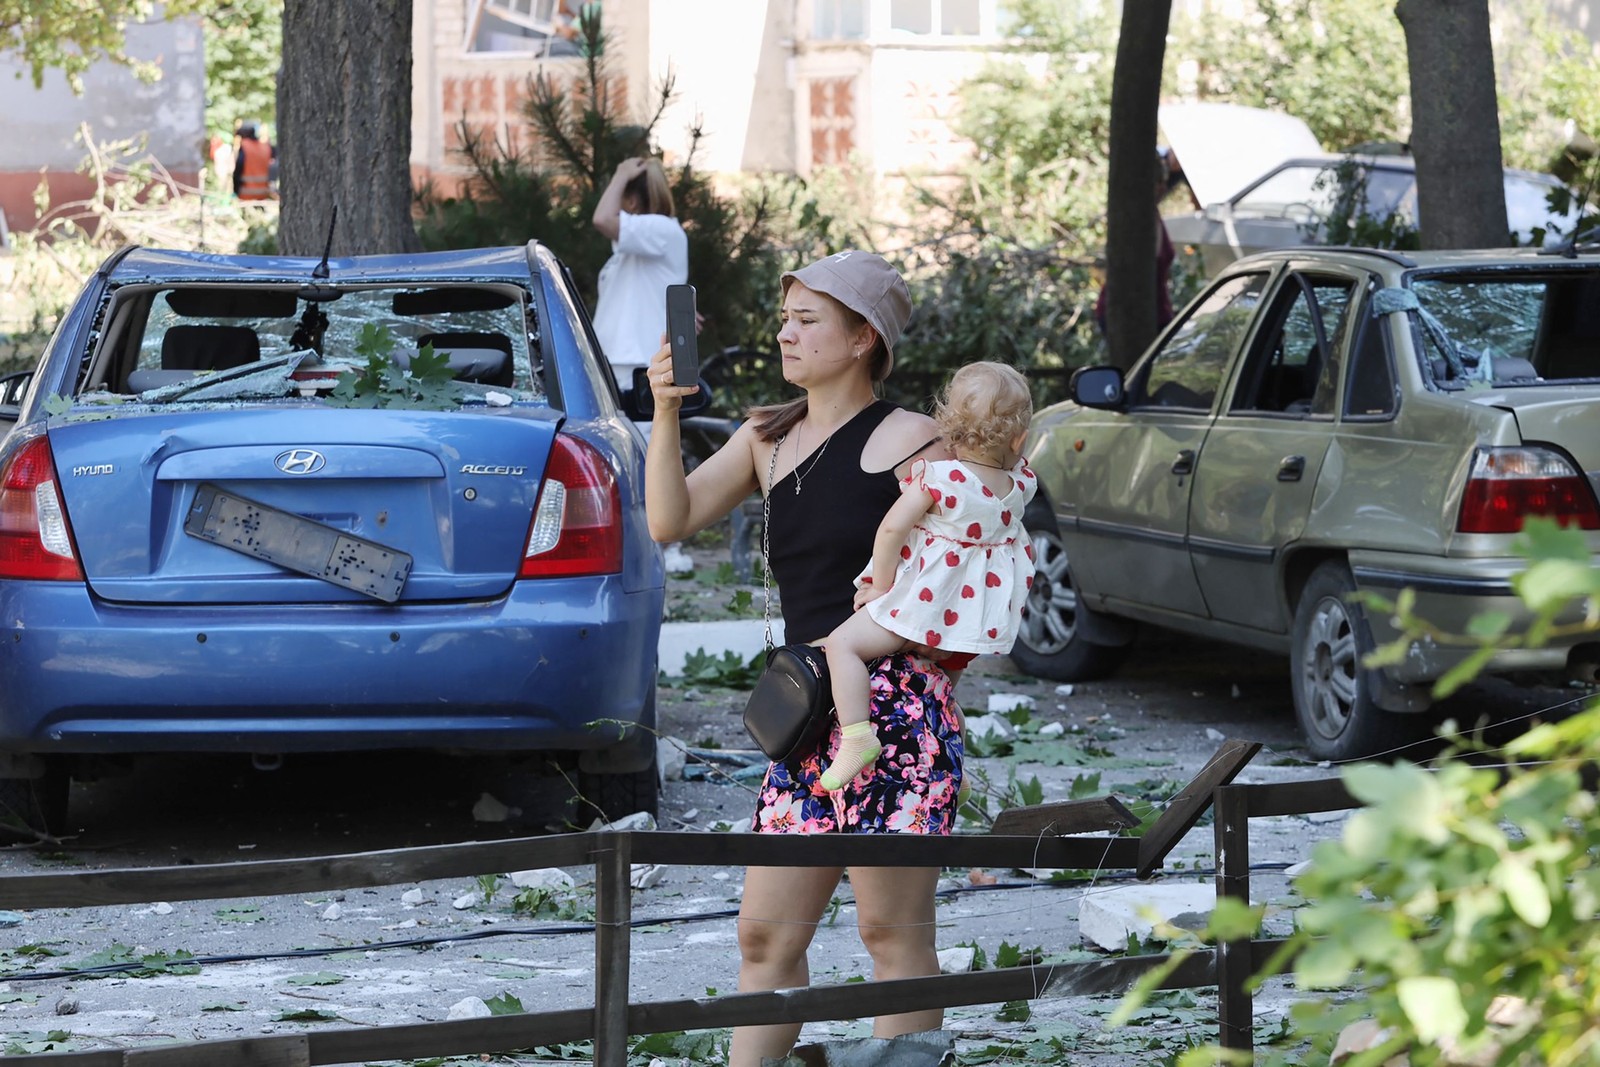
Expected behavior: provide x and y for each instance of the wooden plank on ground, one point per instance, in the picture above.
(1066, 817)
(1191, 802)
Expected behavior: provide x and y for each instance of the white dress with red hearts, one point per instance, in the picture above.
(967, 566)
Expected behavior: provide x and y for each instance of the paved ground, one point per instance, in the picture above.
(408, 953)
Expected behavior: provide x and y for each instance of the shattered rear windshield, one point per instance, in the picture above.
(1508, 328)
(176, 344)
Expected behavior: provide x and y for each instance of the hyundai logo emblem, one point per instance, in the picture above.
(299, 461)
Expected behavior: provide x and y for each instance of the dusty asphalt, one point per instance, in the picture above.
(404, 953)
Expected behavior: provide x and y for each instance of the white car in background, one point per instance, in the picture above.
(1265, 182)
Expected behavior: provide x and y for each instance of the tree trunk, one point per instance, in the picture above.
(1461, 198)
(1130, 205)
(344, 116)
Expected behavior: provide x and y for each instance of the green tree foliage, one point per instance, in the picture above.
(1340, 65)
(71, 36)
(244, 48)
(548, 189)
(1460, 902)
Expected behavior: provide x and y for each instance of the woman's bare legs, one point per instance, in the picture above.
(777, 918)
(895, 914)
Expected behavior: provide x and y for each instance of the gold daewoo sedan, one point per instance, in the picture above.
(1316, 422)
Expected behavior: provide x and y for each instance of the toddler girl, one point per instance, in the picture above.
(951, 563)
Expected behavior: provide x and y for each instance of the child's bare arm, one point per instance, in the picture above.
(914, 503)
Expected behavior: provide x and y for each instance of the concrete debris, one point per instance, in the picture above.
(1064, 690)
(12, 918)
(1213, 734)
(1327, 816)
(490, 809)
(646, 875)
(957, 960)
(1052, 729)
(671, 757)
(989, 728)
(495, 399)
(677, 561)
(411, 898)
(470, 899)
(1108, 917)
(999, 703)
(542, 878)
(469, 1008)
(67, 1006)
(639, 820)
(1236, 692)
(332, 912)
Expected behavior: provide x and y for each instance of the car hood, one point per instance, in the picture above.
(1224, 147)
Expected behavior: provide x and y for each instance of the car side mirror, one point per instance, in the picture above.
(1097, 387)
(639, 403)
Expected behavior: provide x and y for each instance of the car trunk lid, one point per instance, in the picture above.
(1224, 147)
(1565, 416)
(455, 491)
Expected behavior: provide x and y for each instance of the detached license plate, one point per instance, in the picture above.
(297, 543)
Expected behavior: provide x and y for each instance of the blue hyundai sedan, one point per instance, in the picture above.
(267, 505)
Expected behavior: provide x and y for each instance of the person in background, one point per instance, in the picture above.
(1165, 254)
(830, 464)
(252, 167)
(649, 251)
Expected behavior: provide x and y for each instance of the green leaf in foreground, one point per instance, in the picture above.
(306, 1015)
(504, 1004)
(315, 978)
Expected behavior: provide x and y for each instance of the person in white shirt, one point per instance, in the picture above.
(649, 251)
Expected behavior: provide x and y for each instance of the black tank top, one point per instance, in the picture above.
(821, 538)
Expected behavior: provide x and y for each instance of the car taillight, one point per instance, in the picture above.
(577, 523)
(35, 539)
(1507, 485)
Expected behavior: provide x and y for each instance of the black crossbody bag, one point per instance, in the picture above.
(792, 704)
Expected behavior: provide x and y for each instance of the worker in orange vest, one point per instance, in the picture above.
(253, 165)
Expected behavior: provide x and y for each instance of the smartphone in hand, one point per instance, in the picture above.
(681, 335)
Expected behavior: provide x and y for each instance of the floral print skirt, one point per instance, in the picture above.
(912, 786)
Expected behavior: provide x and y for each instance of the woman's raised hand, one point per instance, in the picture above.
(668, 397)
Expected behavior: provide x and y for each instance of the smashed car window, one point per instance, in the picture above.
(1502, 327)
(163, 338)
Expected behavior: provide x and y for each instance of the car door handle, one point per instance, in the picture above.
(1184, 464)
(1291, 468)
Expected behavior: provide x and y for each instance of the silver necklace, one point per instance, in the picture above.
(815, 456)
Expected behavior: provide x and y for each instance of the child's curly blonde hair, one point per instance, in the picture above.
(983, 408)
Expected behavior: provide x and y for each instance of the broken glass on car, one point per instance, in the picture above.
(222, 343)
(1502, 327)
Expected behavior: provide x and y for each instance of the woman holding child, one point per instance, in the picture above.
(831, 465)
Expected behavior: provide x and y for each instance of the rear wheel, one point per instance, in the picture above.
(31, 808)
(1051, 643)
(613, 796)
(1333, 692)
